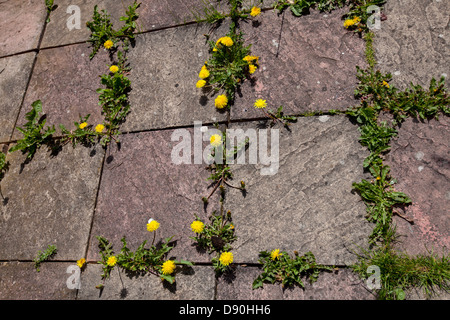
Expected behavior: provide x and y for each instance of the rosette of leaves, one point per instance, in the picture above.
(217, 235)
(102, 29)
(148, 259)
(288, 271)
(85, 136)
(33, 131)
(227, 67)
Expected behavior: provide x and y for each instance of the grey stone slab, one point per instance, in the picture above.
(419, 161)
(413, 43)
(153, 15)
(14, 74)
(49, 201)
(65, 80)
(191, 283)
(21, 281)
(165, 66)
(140, 182)
(21, 23)
(307, 204)
(305, 63)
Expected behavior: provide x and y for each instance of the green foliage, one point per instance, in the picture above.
(227, 67)
(3, 165)
(102, 29)
(114, 100)
(400, 272)
(217, 235)
(33, 132)
(287, 270)
(302, 7)
(86, 135)
(50, 7)
(43, 256)
(279, 116)
(358, 8)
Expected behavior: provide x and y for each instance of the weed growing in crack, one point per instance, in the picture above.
(278, 266)
(144, 260)
(44, 256)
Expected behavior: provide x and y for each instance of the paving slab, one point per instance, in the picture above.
(307, 204)
(140, 182)
(413, 43)
(65, 80)
(21, 281)
(305, 64)
(419, 160)
(14, 74)
(21, 23)
(191, 283)
(165, 66)
(153, 15)
(340, 284)
(49, 201)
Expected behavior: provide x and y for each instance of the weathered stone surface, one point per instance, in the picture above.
(153, 15)
(140, 182)
(413, 43)
(419, 160)
(165, 66)
(336, 285)
(14, 74)
(65, 80)
(192, 283)
(49, 201)
(308, 203)
(21, 281)
(306, 63)
(21, 23)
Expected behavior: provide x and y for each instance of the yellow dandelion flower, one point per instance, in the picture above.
(227, 41)
(260, 103)
(250, 59)
(82, 125)
(378, 178)
(108, 44)
(152, 225)
(114, 69)
(200, 83)
(255, 11)
(99, 128)
(275, 254)
(81, 262)
(226, 258)
(168, 267)
(356, 20)
(386, 84)
(231, 226)
(216, 140)
(111, 261)
(348, 23)
(252, 68)
(221, 101)
(204, 73)
(197, 226)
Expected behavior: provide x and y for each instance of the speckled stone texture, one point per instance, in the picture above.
(21, 23)
(308, 204)
(140, 182)
(21, 281)
(339, 284)
(419, 160)
(49, 201)
(14, 74)
(306, 63)
(191, 283)
(413, 43)
(65, 80)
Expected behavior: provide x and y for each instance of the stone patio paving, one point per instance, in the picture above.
(306, 64)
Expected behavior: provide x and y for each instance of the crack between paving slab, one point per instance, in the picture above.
(31, 74)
